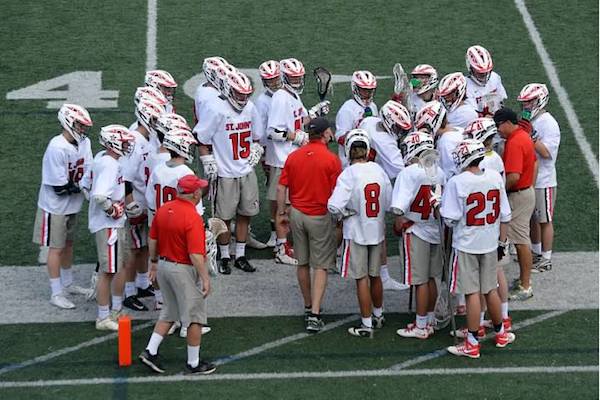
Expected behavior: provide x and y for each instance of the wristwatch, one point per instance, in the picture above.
(154, 260)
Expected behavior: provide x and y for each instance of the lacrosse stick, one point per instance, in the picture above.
(324, 85)
(212, 196)
(402, 86)
(215, 228)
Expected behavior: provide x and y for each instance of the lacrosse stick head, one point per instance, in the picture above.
(323, 78)
(402, 86)
(216, 226)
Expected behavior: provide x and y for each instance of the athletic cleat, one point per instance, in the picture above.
(148, 292)
(411, 331)
(75, 289)
(272, 240)
(521, 294)
(243, 264)
(203, 368)
(507, 322)
(361, 331)
(224, 267)
(289, 250)
(152, 361)
(465, 349)
(314, 324)
(535, 258)
(206, 329)
(504, 339)
(462, 333)
(378, 321)
(59, 300)
(174, 326)
(543, 265)
(93, 280)
(254, 243)
(133, 303)
(283, 257)
(115, 315)
(392, 284)
(107, 324)
(515, 284)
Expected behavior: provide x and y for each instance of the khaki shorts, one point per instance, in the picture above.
(314, 239)
(112, 247)
(274, 175)
(360, 260)
(182, 295)
(521, 205)
(421, 260)
(472, 273)
(237, 196)
(544, 205)
(53, 230)
(138, 235)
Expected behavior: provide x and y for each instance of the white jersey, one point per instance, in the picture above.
(493, 161)
(365, 190)
(230, 132)
(205, 94)
(135, 167)
(489, 98)
(153, 144)
(156, 159)
(349, 117)
(548, 133)
(63, 162)
(388, 154)
(412, 191)
(107, 181)
(286, 114)
(162, 186)
(463, 114)
(478, 203)
(263, 105)
(445, 145)
(417, 104)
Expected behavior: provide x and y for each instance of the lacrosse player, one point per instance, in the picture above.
(452, 94)
(214, 69)
(65, 161)
(107, 218)
(384, 131)
(361, 197)
(485, 91)
(416, 195)
(233, 127)
(424, 81)
(546, 138)
(354, 110)
(165, 83)
(475, 205)
(155, 96)
(287, 117)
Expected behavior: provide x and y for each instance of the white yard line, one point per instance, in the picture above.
(304, 375)
(151, 35)
(563, 97)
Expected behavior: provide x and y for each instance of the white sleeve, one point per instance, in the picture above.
(343, 122)
(257, 125)
(550, 137)
(452, 208)
(54, 171)
(341, 193)
(104, 181)
(500, 90)
(389, 157)
(150, 195)
(278, 116)
(505, 213)
(387, 199)
(206, 129)
(402, 196)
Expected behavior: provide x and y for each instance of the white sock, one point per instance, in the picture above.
(66, 276)
(117, 303)
(505, 310)
(460, 298)
(384, 273)
(431, 318)
(240, 249)
(472, 339)
(224, 248)
(193, 356)
(130, 289)
(481, 318)
(141, 280)
(368, 322)
(153, 343)
(547, 254)
(378, 311)
(421, 321)
(536, 248)
(55, 286)
(158, 295)
(102, 312)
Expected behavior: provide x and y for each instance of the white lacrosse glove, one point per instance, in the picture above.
(319, 110)
(301, 138)
(256, 153)
(133, 209)
(209, 164)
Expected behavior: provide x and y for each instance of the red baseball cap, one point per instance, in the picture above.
(190, 183)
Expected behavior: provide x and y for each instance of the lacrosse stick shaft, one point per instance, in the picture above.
(445, 269)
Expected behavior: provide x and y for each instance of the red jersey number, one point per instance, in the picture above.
(372, 192)
(240, 144)
(420, 204)
(480, 201)
(164, 194)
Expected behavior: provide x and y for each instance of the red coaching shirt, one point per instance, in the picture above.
(310, 174)
(179, 230)
(519, 157)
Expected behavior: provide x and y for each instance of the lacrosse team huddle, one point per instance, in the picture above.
(462, 175)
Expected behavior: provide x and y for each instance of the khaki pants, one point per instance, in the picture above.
(472, 273)
(314, 239)
(522, 204)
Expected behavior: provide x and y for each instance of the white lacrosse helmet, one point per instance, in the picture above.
(76, 120)
(466, 152)
(163, 81)
(117, 138)
(479, 64)
(237, 89)
(270, 74)
(292, 72)
(481, 129)
(431, 117)
(357, 136)
(420, 86)
(366, 81)
(150, 93)
(537, 92)
(169, 121)
(210, 66)
(452, 90)
(395, 118)
(181, 142)
(414, 144)
(147, 113)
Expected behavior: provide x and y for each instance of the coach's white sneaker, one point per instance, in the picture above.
(75, 289)
(253, 242)
(176, 325)
(59, 300)
(392, 284)
(107, 324)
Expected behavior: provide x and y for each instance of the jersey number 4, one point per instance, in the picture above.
(372, 192)
(240, 144)
(420, 204)
(480, 202)
(164, 194)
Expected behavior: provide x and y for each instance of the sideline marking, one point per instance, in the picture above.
(151, 35)
(563, 97)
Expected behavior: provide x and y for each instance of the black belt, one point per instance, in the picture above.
(518, 190)
(168, 260)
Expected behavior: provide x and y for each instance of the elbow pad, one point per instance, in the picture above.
(277, 135)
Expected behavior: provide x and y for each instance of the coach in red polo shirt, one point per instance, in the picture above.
(309, 174)
(177, 245)
(521, 167)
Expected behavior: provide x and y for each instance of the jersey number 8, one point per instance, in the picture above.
(372, 191)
